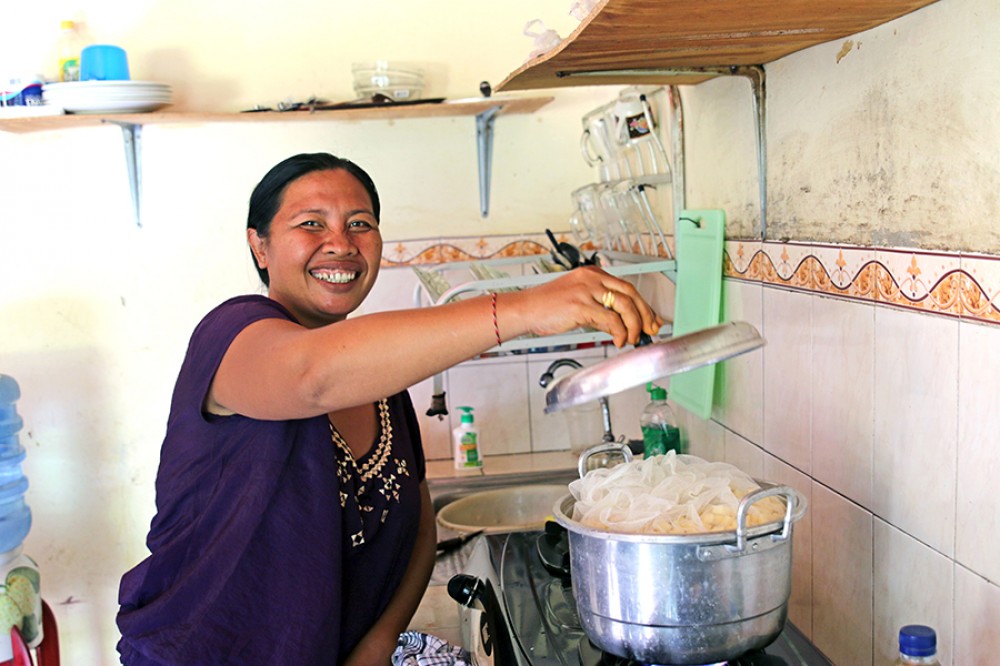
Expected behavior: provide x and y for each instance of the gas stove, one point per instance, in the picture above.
(516, 611)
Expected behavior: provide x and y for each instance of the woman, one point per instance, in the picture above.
(293, 523)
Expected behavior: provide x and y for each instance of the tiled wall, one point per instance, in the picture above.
(875, 395)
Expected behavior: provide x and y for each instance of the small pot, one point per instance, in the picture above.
(684, 599)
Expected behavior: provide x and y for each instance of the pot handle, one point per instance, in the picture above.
(606, 447)
(791, 502)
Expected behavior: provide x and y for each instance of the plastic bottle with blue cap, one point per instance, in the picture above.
(917, 646)
(20, 593)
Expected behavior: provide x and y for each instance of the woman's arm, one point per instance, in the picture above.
(275, 369)
(377, 646)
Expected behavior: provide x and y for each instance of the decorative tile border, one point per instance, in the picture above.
(473, 248)
(949, 284)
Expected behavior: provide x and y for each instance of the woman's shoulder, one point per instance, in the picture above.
(249, 304)
(240, 311)
(218, 328)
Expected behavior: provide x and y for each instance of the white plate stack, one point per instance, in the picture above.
(107, 96)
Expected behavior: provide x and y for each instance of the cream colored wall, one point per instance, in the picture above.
(887, 138)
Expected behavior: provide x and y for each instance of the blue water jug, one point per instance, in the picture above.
(15, 516)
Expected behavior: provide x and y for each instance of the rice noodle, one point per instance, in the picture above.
(669, 494)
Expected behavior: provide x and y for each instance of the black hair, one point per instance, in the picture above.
(265, 200)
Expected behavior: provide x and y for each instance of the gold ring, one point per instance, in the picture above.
(608, 299)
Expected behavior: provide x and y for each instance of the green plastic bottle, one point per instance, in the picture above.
(659, 425)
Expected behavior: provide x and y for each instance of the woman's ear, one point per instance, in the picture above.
(258, 247)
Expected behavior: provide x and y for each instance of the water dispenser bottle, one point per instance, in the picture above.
(20, 595)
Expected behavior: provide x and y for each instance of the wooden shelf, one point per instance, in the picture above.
(468, 107)
(626, 42)
(484, 109)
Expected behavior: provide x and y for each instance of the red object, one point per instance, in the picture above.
(47, 651)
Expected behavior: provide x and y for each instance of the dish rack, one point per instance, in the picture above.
(621, 140)
(492, 275)
(613, 215)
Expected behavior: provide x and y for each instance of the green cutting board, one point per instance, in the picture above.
(700, 235)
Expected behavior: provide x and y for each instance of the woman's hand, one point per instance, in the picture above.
(584, 297)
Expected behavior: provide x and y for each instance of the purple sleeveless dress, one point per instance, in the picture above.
(270, 545)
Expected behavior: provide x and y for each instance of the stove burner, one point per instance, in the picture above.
(591, 655)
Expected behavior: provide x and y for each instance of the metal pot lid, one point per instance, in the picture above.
(652, 362)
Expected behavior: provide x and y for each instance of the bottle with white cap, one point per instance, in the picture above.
(466, 442)
(917, 646)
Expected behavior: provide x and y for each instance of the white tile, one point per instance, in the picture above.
(787, 376)
(435, 431)
(501, 415)
(738, 402)
(843, 362)
(842, 578)
(743, 454)
(978, 511)
(700, 437)
(800, 604)
(977, 619)
(913, 585)
(916, 422)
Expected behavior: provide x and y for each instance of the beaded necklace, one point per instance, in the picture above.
(351, 476)
(377, 461)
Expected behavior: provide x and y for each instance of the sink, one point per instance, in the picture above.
(446, 490)
(510, 509)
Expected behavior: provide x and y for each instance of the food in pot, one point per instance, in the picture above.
(669, 494)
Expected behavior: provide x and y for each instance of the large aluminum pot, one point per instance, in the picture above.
(684, 599)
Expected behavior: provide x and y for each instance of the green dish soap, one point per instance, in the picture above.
(659, 425)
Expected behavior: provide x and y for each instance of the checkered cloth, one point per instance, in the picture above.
(417, 649)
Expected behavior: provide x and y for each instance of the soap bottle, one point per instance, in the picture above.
(466, 441)
(659, 425)
(70, 46)
(917, 646)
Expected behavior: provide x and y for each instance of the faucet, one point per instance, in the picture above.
(549, 375)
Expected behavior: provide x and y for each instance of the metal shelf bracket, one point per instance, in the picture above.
(484, 150)
(131, 137)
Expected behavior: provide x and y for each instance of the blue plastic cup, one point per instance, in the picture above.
(103, 62)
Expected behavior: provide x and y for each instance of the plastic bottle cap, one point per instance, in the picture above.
(917, 640)
(67, 25)
(656, 392)
(467, 416)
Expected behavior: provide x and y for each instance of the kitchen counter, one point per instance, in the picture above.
(440, 471)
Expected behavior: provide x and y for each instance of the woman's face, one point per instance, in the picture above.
(323, 251)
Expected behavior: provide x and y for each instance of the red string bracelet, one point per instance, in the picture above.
(496, 327)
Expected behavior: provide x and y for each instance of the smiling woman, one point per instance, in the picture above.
(265, 547)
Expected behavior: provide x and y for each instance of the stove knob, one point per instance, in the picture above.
(466, 589)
